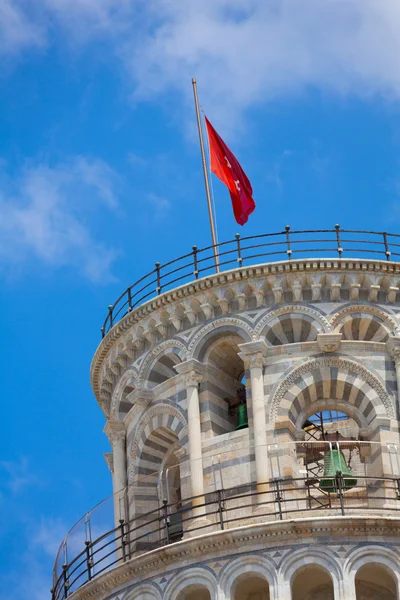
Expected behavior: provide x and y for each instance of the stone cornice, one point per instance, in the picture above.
(199, 299)
(115, 431)
(235, 541)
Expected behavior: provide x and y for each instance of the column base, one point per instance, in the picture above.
(198, 526)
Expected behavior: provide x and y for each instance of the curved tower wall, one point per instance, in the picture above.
(300, 337)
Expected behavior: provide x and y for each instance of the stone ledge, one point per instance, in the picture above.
(233, 541)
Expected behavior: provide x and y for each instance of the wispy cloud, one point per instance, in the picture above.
(160, 205)
(275, 173)
(45, 214)
(17, 475)
(243, 54)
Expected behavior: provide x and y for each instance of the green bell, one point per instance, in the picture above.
(334, 463)
(241, 414)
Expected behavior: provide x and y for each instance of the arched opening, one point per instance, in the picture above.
(125, 406)
(194, 592)
(251, 587)
(157, 479)
(163, 368)
(374, 580)
(223, 392)
(170, 484)
(331, 445)
(291, 328)
(312, 582)
(362, 327)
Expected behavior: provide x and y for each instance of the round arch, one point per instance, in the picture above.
(218, 328)
(373, 555)
(256, 566)
(319, 557)
(187, 578)
(128, 380)
(330, 378)
(364, 323)
(172, 346)
(291, 324)
(145, 591)
(159, 416)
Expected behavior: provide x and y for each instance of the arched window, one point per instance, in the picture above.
(223, 394)
(312, 582)
(251, 587)
(374, 580)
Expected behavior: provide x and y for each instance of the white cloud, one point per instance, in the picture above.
(17, 30)
(44, 214)
(242, 53)
(19, 475)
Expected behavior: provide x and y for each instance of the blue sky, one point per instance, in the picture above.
(100, 176)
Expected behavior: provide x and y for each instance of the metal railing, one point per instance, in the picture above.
(225, 509)
(333, 243)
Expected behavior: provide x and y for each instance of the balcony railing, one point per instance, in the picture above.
(318, 243)
(92, 548)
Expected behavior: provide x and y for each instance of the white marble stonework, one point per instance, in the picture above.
(301, 337)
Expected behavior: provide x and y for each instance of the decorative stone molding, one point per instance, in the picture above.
(156, 353)
(329, 342)
(115, 431)
(267, 283)
(129, 375)
(253, 354)
(150, 419)
(339, 362)
(192, 372)
(321, 322)
(337, 317)
(393, 347)
(238, 326)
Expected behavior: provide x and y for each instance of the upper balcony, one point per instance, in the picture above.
(287, 245)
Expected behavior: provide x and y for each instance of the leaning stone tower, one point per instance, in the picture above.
(253, 416)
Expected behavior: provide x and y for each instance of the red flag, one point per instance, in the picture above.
(229, 171)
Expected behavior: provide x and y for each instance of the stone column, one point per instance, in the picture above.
(253, 355)
(115, 431)
(192, 371)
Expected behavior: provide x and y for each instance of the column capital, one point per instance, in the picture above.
(253, 354)
(329, 342)
(115, 431)
(192, 371)
(393, 347)
(141, 397)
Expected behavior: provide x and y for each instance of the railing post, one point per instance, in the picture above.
(387, 251)
(279, 499)
(339, 486)
(110, 315)
(195, 265)
(122, 526)
(88, 560)
(220, 509)
(339, 248)
(158, 278)
(239, 250)
(166, 521)
(288, 251)
(129, 299)
(66, 584)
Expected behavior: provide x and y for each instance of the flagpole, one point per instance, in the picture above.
(205, 173)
